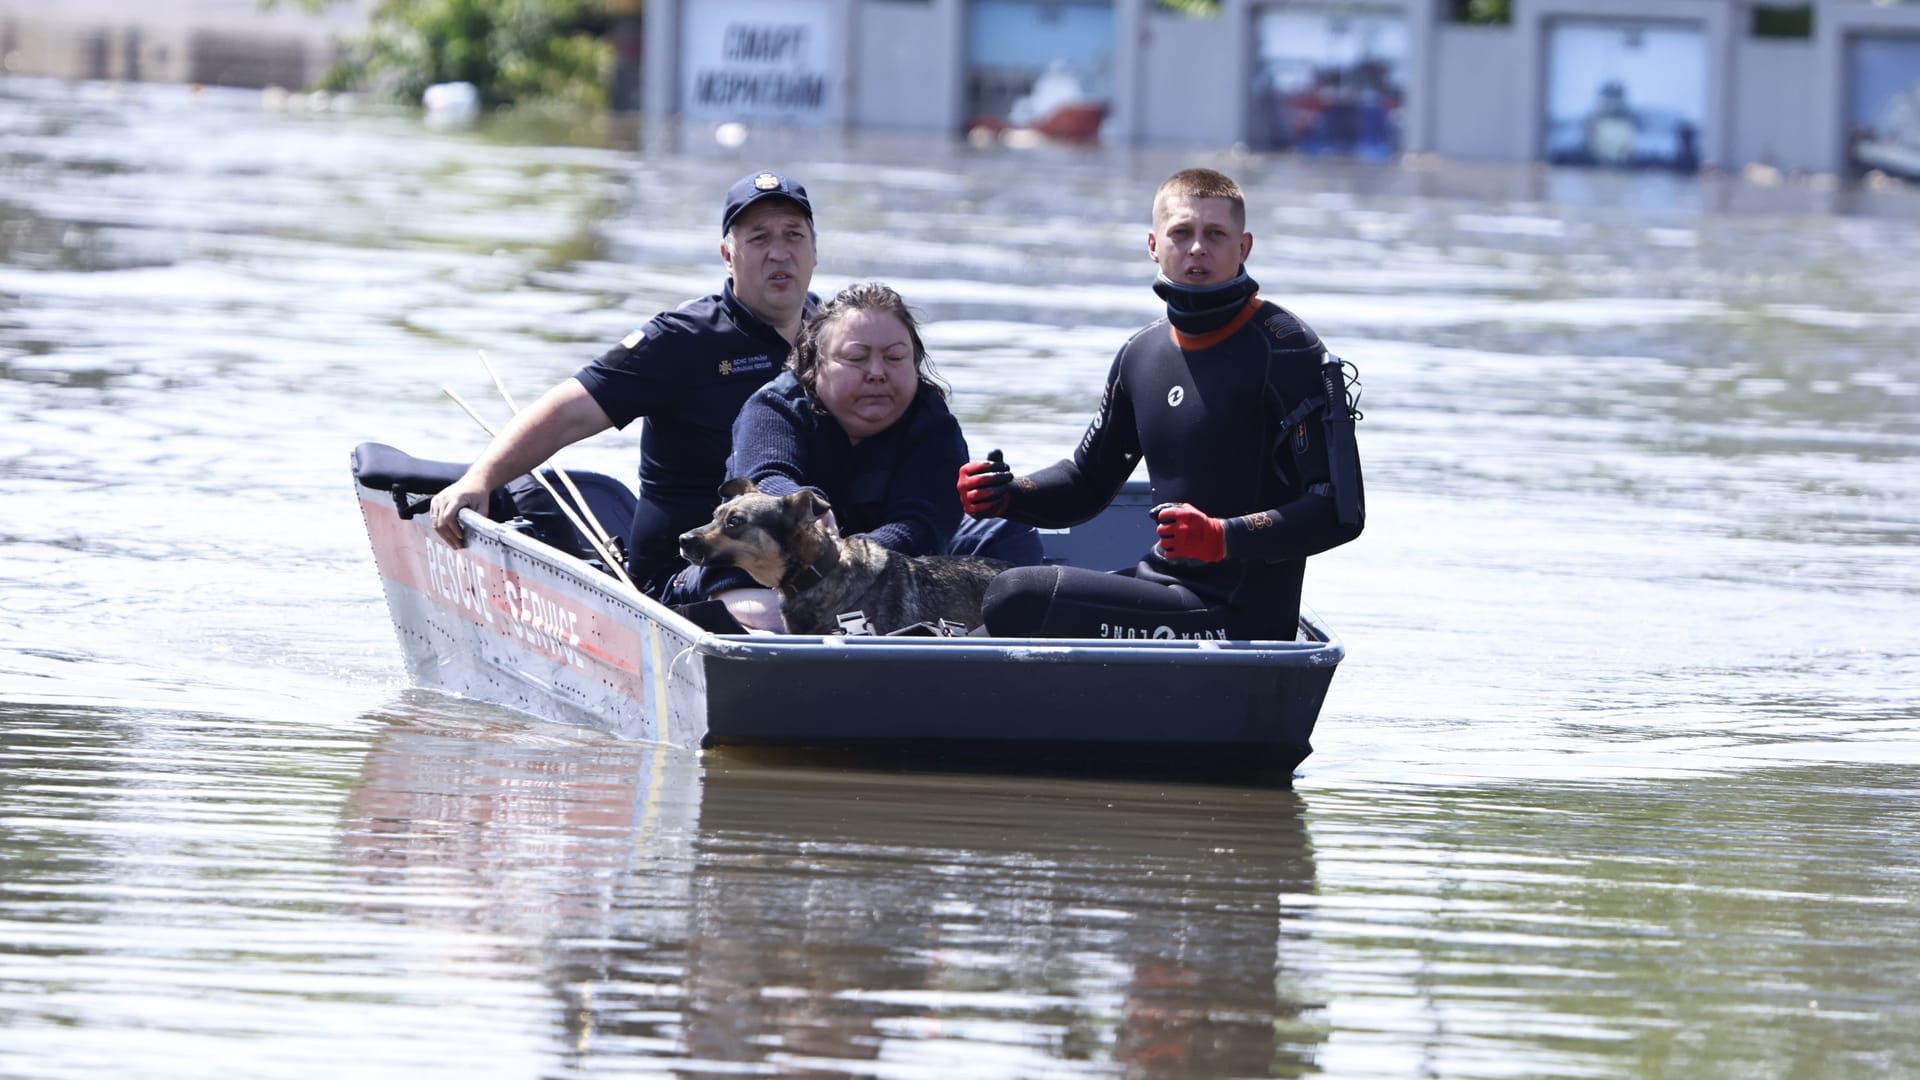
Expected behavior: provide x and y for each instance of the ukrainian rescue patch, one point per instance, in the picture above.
(745, 364)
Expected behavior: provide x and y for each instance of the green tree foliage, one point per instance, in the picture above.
(515, 51)
(1483, 11)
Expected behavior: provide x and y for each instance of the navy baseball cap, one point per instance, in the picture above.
(753, 187)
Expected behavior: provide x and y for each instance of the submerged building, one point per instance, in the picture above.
(1637, 84)
(1664, 84)
(216, 42)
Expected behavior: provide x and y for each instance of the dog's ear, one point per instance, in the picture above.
(737, 487)
(806, 505)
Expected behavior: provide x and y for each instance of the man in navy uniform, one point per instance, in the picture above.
(687, 372)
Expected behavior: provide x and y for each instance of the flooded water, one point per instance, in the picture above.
(1619, 779)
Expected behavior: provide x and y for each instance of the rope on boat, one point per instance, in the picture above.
(681, 655)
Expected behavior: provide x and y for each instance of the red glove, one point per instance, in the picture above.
(985, 487)
(1186, 533)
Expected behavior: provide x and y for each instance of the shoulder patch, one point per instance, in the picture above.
(634, 338)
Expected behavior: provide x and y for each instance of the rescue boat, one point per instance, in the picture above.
(526, 616)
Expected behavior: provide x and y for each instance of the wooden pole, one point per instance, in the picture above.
(592, 537)
(566, 481)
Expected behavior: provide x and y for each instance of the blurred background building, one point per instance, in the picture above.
(1665, 84)
(215, 42)
(1816, 86)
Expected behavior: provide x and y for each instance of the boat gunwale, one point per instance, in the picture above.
(1328, 651)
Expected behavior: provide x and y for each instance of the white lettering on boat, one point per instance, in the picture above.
(458, 580)
(540, 621)
(543, 623)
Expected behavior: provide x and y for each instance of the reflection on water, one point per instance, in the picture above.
(815, 921)
(1064, 920)
(1615, 780)
(451, 895)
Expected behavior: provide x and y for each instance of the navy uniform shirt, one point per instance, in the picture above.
(687, 372)
(895, 487)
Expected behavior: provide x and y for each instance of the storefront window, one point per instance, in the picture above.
(1039, 66)
(1627, 93)
(1329, 81)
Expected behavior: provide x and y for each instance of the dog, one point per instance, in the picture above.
(832, 584)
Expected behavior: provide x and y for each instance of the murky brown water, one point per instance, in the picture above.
(1619, 778)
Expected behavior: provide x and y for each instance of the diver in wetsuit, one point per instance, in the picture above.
(1246, 424)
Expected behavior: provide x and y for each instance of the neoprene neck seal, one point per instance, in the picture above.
(1197, 309)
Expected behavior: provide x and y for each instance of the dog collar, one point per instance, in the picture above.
(802, 579)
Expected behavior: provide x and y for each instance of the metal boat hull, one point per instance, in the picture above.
(510, 620)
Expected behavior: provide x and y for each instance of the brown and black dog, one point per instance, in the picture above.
(829, 583)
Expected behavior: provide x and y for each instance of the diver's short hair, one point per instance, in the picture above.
(1202, 184)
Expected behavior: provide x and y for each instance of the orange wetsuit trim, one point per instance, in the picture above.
(1193, 342)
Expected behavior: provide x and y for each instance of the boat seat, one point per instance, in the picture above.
(386, 468)
(611, 501)
(1112, 541)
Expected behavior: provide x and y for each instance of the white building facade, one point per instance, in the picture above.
(1672, 84)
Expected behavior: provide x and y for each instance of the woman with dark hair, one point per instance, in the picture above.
(860, 417)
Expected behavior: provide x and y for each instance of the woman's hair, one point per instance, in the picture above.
(868, 296)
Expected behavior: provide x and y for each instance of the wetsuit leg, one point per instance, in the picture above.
(1069, 601)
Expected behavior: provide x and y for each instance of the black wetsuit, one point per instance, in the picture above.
(1220, 398)
(687, 371)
